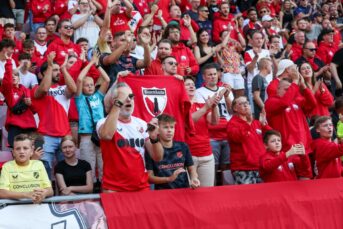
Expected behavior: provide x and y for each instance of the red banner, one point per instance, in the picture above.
(155, 95)
(301, 204)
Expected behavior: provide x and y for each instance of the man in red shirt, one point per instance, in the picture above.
(120, 18)
(41, 11)
(326, 45)
(50, 26)
(221, 23)
(9, 33)
(286, 114)
(187, 64)
(52, 101)
(327, 153)
(253, 21)
(297, 46)
(164, 49)
(123, 138)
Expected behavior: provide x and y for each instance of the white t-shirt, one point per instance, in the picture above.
(28, 80)
(2, 68)
(89, 29)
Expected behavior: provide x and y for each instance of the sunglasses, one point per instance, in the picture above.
(131, 96)
(206, 11)
(68, 27)
(312, 49)
(84, 3)
(263, 11)
(172, 63)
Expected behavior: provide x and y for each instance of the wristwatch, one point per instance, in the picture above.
(118, 103)
(154, 141)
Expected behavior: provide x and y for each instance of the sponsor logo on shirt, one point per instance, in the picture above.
(131, 142)
(36, 175)
(179, 154)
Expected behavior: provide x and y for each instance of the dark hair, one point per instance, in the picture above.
(313, 80)
(169, 27)
(44, 67)
(41, 27)
(118, 34)
(270, 133)
(251, 9)
(166, 41)
(6, 43)
(274, 36)
(167, 58)
(200, 31)
(50, 19)
(320, 120)
(208, 66)
(22, 137)
(59, 26)
(82, 39)
(24, 56)
(28, 44)
(141, 28)
(9, 25)
(189, 78)
(223, 3)
(339, 103)
(165, 118)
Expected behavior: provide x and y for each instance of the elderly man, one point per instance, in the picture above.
(245, 139)
(123, 141)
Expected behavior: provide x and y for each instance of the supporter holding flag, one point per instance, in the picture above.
(73, 175)
(176, 165)
(169, 67)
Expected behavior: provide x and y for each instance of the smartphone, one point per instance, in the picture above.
(39, 143)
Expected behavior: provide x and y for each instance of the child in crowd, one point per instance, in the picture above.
(327, 153)
(172, 171)
(276, 165)
(89, 102)
(22, 177)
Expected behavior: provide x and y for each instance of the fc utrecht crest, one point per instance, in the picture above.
(155, 100)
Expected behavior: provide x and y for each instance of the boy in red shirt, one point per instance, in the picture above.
(327, 153)
(276, 165)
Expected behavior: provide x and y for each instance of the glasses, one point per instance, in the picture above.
(68, 27)
(206, 11)
(131, 96)
(263, 11)
(175, 31)
(172, 63)
(311, 49)
(84, 3)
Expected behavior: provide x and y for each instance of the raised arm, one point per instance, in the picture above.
(84, 73)
(69, 81)
(44, 86)
(147, 58)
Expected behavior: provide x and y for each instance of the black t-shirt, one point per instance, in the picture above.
(124, 63)
(338, 60)
(74, 175)
(174, 158)
(20, 4)
(6, 10)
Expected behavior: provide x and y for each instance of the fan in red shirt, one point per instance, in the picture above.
(119, 17)
(327, 153)
(286, 114)
(123, 141)
(276, 165)
(64, 46)
(326, 46)
(221, 23)
(297, 46)
(164, 49)
(245, 140)
(9, 33)
(187, 64)
(41, 11)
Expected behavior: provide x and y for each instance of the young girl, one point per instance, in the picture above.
(73, 175)
(276, 165)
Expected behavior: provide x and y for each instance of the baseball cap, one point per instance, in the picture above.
(283, 64)
(267, 18)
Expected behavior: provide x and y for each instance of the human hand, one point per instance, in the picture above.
(263, 118)
(95, 57)
(37, 154)
(153, 129)
(64, 65)
(27, 101)
(176, 174)
(187, 20)
(123, 73)
(154, 8)
(188, 70)
(195, 183)
(179, 77)
(51, 57)
(145, 38)
(66, 191)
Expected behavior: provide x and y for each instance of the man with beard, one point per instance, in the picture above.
(64, 46)
(187, 64)
(253, 23)
(164, 50)
(124, 139)
(52, 101)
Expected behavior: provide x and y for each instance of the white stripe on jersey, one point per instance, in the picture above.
(59, 94)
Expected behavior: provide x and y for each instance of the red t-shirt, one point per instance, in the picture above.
(62, 49)
(123, 157)
(119, 22)
(52, 110)
(155, 68)
(199, 142)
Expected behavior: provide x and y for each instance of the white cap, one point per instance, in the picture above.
(283, 64)
(267, 18)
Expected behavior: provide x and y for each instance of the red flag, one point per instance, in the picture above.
(155, 95)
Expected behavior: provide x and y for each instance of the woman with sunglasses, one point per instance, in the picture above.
(19, 118)
(322, 94)
(73, 176)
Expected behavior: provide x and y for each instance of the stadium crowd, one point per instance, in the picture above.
(263, 80)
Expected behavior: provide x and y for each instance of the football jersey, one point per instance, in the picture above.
(123, 156)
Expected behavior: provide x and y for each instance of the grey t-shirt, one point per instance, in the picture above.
(259, 83)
